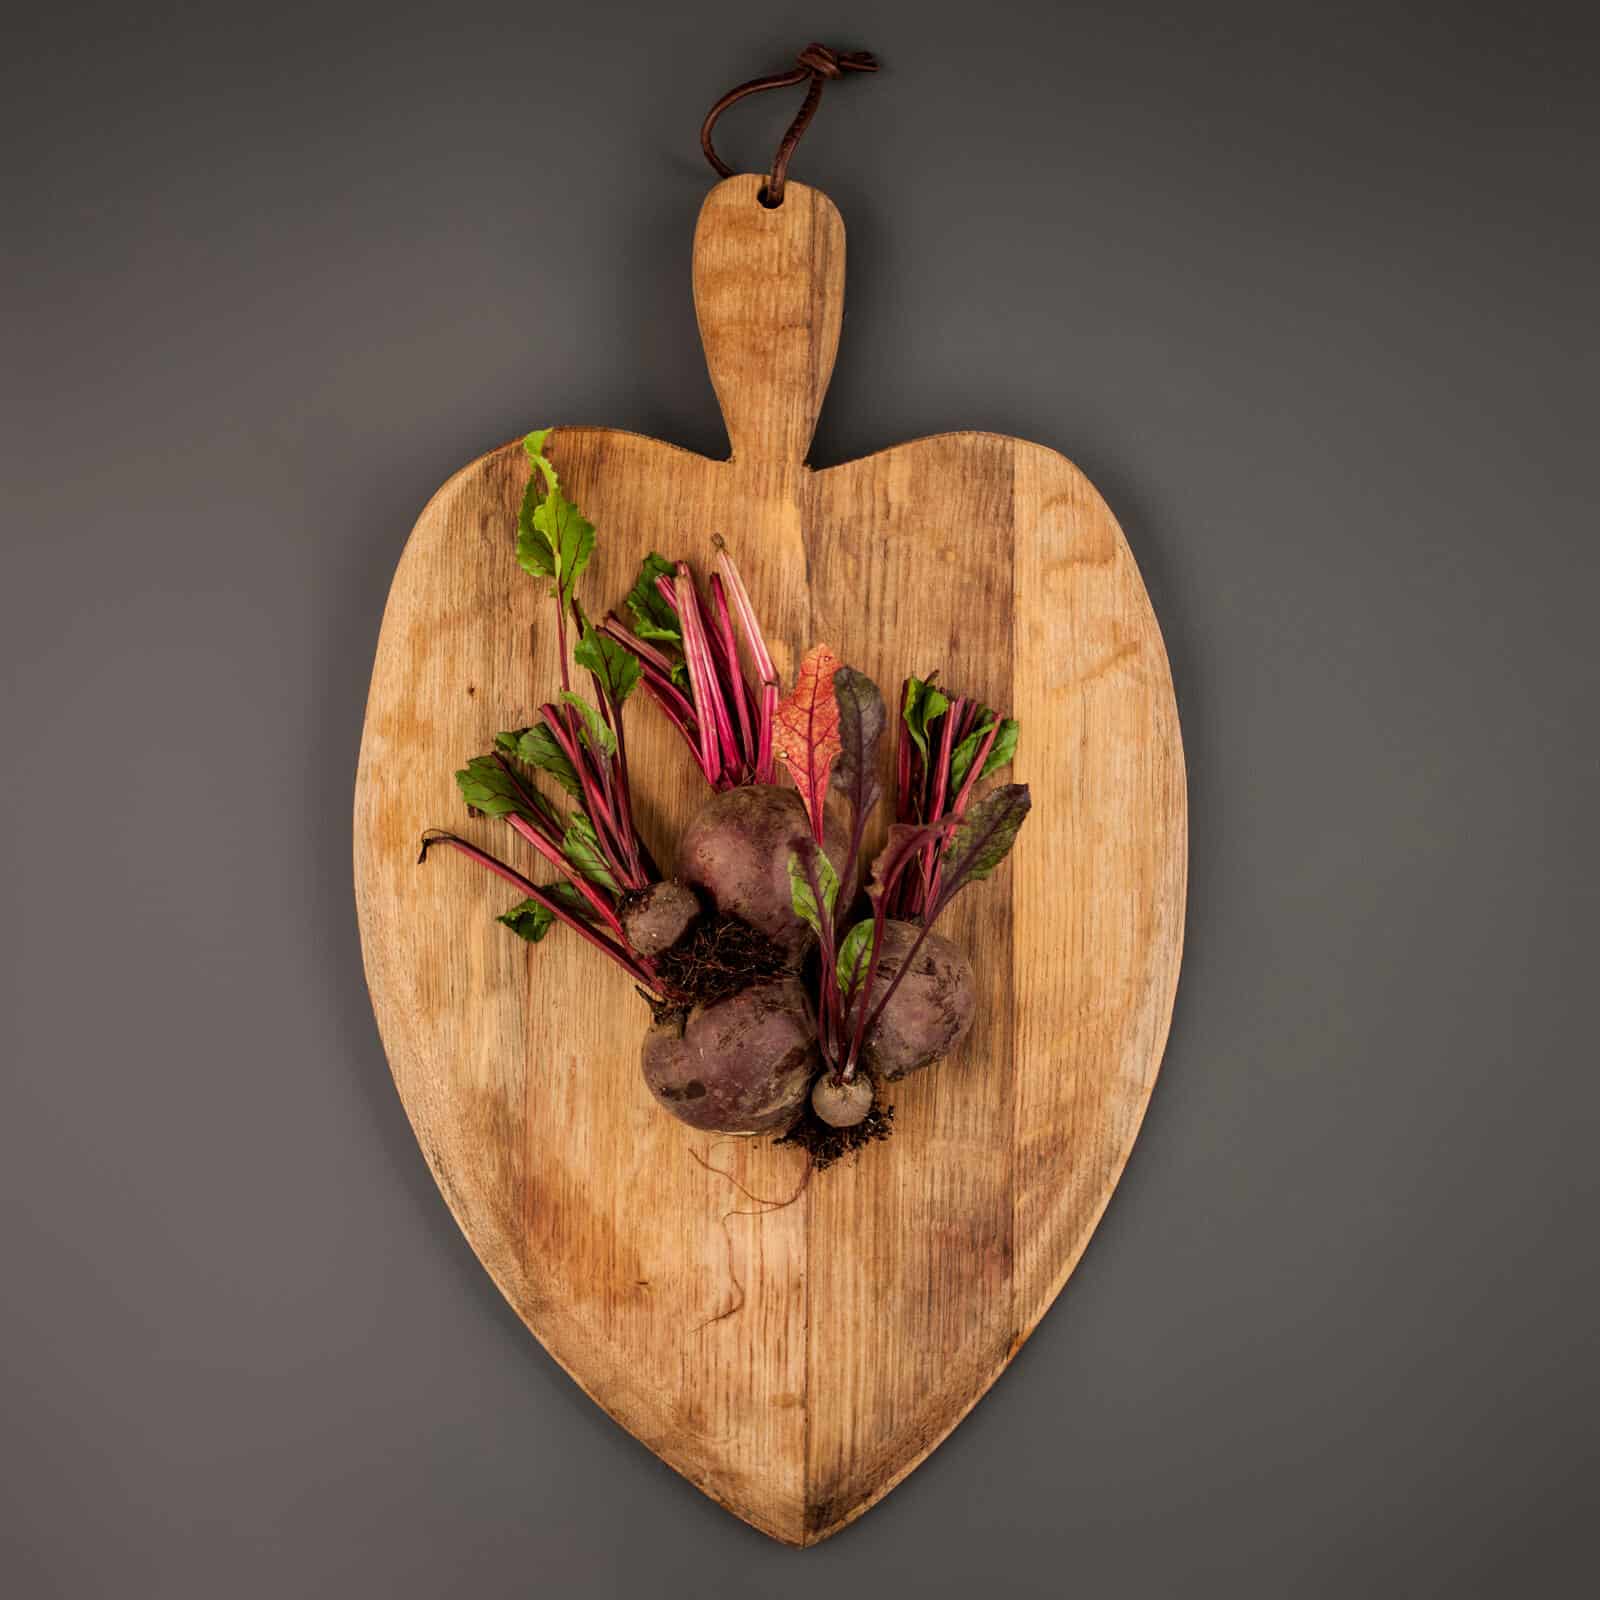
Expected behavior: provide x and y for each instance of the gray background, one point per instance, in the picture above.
(1308, 291)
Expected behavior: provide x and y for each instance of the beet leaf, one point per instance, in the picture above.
(488, 787)
(982, 841)
(855, 775)
(537, 747)
(581, 846)
(806, 731)
(596, 734)
(1003, 748)
(855, 956)
(803, 896)
(532, 919)
(554, 538)
(615, 670)
(923, 704)
(861, 722)
(653, 616)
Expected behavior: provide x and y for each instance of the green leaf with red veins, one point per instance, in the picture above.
(537, 746)
(653, 617)
(801, 895)
(531, 921)
(581, 846)
(595, 732)
(615, 667)
(855, 956)
(554, 538)
(984, 839)
(805, 731)
(1003, 749)
(486, 786)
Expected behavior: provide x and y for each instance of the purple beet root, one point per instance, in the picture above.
(736, 851)
(742, 1065)
(930, 1011)
(658, 917)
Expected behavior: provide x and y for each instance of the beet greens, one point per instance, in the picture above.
(947, 746)
(580, 743)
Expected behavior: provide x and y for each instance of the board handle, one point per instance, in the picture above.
(769, 295)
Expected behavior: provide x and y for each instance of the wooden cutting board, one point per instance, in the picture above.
(793, 1363)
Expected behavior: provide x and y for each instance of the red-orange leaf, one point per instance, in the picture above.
(805, 731)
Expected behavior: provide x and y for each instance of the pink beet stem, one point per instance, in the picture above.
(596, 790)
(738, 691)
(557, 860)
(702, 674)
(760, 659)
(533, 892)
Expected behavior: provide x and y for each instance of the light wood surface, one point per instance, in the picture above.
(795, 1364)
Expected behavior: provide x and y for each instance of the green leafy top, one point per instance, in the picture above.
(653, 617)
(923, 704)
(488, 787)
(581, 847)
(531, 921)
(537, 746)
(855, 956)
(983, 839)
(596, 734)
(1000, 752)
(554, 539)
(617, 669)
(802, 896)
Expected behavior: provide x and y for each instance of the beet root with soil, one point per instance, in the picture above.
(742, 1065)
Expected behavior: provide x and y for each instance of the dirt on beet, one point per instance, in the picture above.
(718, 957)
(825, 1145)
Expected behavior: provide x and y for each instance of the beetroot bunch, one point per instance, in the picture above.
(784, 990)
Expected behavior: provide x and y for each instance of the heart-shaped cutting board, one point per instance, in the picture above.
(795, 1363)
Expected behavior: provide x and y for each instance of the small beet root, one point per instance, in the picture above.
(841, 1104)
(736, 851)
(742, 1065)
(656, 918)
(930, 1011)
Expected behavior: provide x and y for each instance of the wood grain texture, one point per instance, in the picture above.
(793, 1363)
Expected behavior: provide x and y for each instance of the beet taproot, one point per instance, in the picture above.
(741, 1065)
(737, 849)
(931, 1008)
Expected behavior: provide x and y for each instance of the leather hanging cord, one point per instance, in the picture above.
(816, 62)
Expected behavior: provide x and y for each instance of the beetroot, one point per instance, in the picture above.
(929, 1010)
(841, 1103)
(656, 918)
(736, 851)
(742, 1065)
